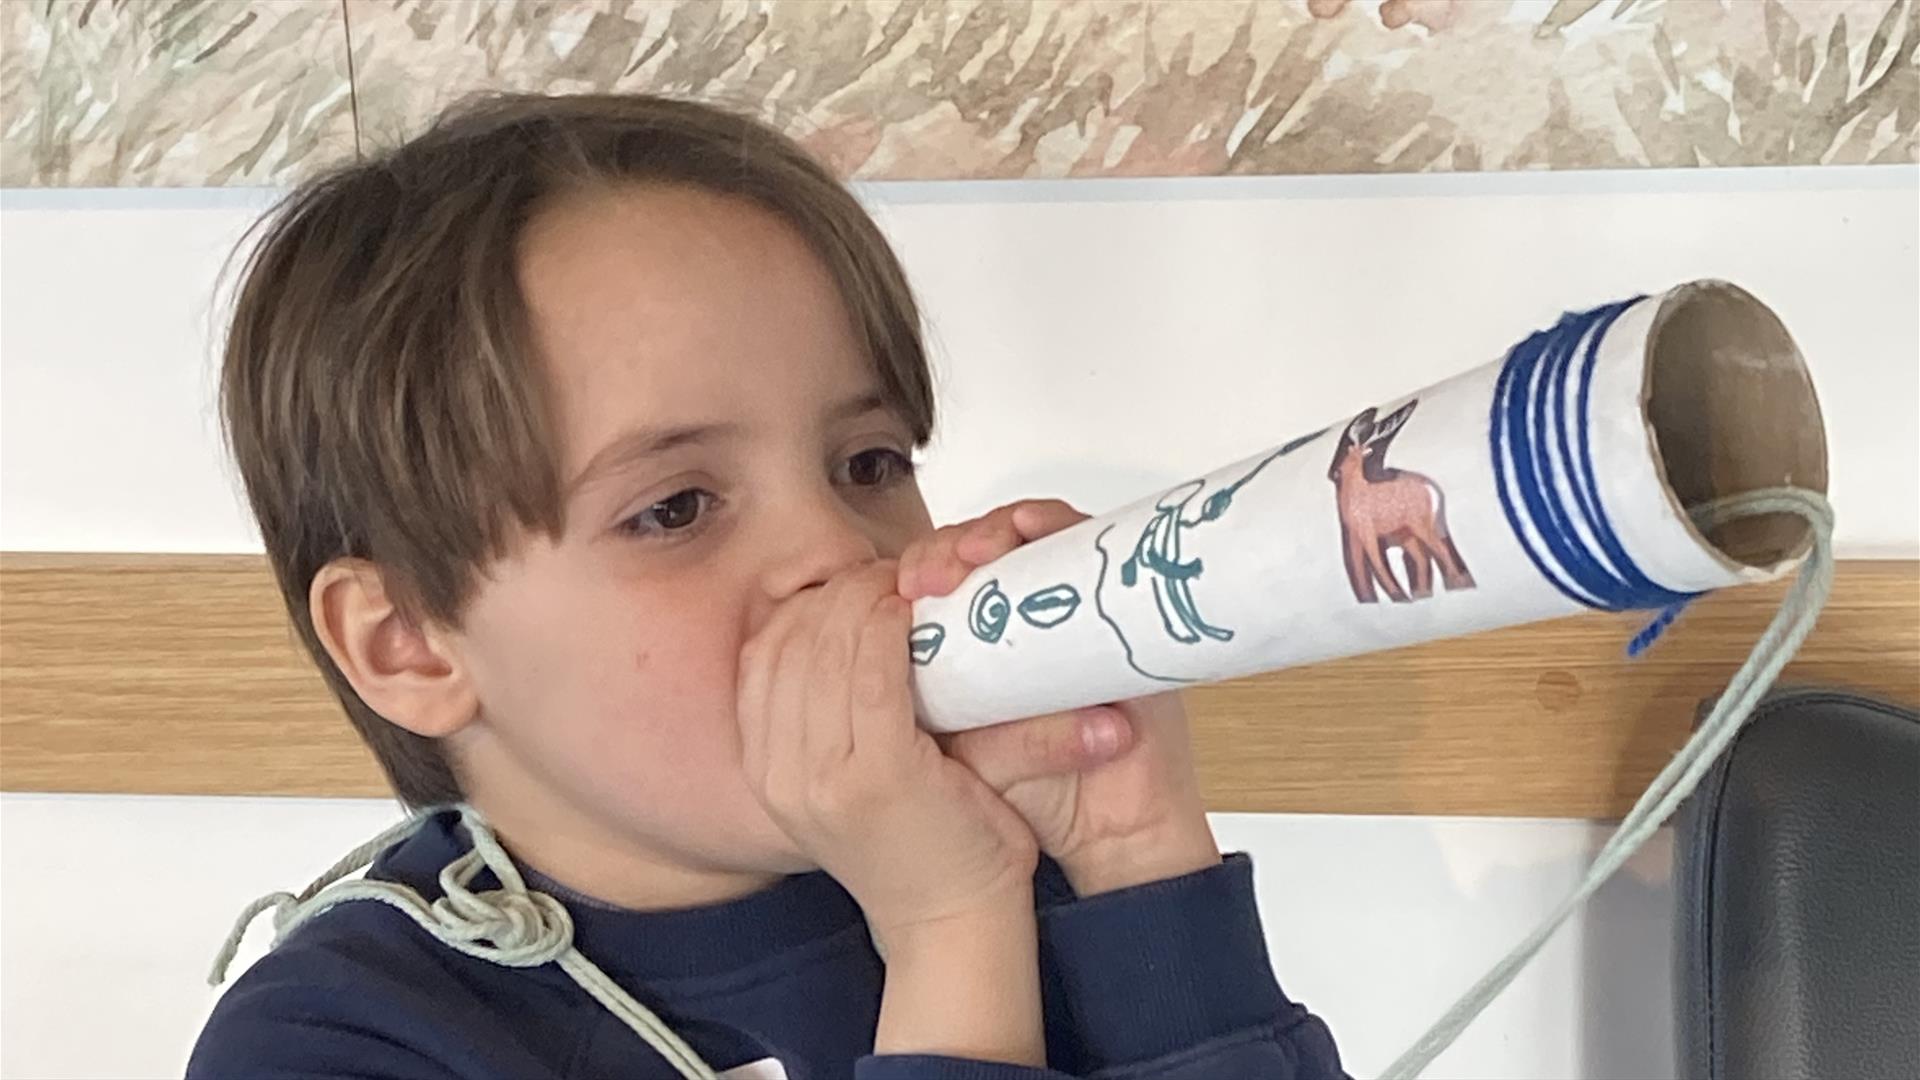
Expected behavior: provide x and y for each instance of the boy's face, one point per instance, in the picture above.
(722, 447)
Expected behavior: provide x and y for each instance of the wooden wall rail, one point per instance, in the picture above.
(179, 674)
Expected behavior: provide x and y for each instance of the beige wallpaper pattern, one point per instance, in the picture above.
(209, 92)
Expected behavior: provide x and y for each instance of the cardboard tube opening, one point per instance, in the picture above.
(1732, 409)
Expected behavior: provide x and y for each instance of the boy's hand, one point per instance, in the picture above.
(831, 749)
(1137, 817)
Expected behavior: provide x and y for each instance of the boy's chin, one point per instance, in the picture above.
(762, 854)
(758, 846)
(788, 863)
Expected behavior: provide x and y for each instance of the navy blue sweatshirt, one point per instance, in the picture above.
(1167, 980)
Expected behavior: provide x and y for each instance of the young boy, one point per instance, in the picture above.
(580, 434)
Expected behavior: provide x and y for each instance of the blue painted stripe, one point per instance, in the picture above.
(1503, 394)
(1553, 501)
(1646, 593)
(1553, 521)
(1577, 466)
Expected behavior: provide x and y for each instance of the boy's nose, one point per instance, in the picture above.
(824, 542)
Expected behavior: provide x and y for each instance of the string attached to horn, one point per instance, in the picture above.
(1777, 645)
(513, 925)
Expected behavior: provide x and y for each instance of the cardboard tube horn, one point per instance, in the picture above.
(1551, 481)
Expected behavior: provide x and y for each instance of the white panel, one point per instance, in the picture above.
(111, 908)
(108, 435)
(1097, 338)
(1379, 923)
(1100, 348)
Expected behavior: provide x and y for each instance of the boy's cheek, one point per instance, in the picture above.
(914, 533)
(908, 524)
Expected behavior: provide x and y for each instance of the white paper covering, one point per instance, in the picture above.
(1246, 569)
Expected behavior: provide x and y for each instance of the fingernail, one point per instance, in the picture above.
(1100, 734)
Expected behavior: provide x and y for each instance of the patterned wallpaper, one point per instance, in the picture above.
(209, 92)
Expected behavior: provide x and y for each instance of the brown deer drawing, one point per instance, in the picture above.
(1383, 508)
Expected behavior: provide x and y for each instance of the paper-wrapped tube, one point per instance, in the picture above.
(1552, 481)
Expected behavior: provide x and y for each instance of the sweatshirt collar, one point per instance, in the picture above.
(687, 943)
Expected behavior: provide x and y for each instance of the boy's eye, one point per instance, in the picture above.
(671, 514)
(876, 468)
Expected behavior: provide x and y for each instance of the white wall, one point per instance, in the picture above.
(1213, 317)
(1223, 315)
(111, 908)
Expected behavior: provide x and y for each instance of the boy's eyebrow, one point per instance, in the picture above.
(639, 444)
(859, 405)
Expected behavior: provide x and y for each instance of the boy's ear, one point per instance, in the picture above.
(406, 672)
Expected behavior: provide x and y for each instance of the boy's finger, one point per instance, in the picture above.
(985, 539)
(1036, 518)
(919, 557)
(847, 604)
(1006, 754)
(937, 564)
(1015, 524)
(758, 657)
(881, 700)
(789, 689)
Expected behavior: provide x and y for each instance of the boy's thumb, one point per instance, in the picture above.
(1006, 754)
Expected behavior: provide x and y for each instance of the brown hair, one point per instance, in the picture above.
(378, 391)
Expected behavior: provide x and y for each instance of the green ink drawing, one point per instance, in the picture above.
(1158, 550)
(987, 615)
(1099, 607)
(1158, 554)
(1050, 607)
(925, 641)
